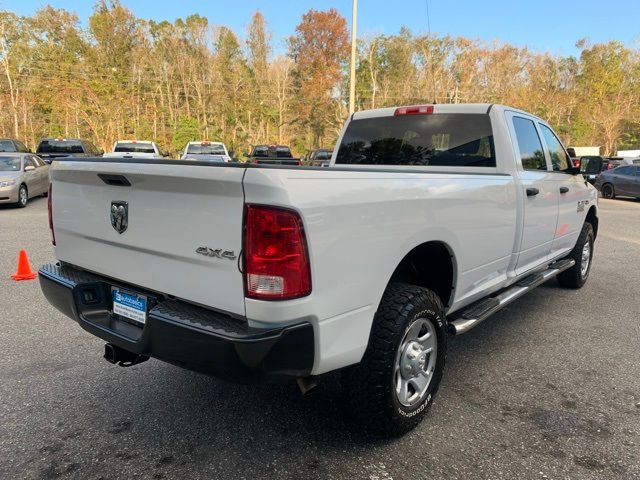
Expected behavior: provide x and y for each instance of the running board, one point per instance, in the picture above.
(480, 311)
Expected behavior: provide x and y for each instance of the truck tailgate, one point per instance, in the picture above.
(184, 226)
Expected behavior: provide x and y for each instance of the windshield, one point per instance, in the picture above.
(9, 164)
(203, 149)
(7, 146)
(444, 139)
(60, 146)
(134, 147)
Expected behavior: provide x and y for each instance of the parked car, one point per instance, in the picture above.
(437, 217)
(22, 176)
(12, 145)
(206, 151)
(135, 149)
(50, 149)
(320, 158)
(623, 181)
(273, 155)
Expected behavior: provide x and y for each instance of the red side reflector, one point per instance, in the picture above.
(415, 110)
(275, 254)
(50, 209)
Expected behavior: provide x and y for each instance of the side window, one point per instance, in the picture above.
(529, 144)
(21, 147)
(30, 162)
(39, 161)
(624, 171)
(559, 159)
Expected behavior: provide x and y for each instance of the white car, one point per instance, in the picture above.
(135, 149)
(430, 219)
(206, 151)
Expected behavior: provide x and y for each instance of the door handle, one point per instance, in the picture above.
(564, 189)
(532, 192)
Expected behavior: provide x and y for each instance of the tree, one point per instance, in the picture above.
(319, 49)
(186, 131)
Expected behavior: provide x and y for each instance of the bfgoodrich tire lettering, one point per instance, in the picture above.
(576, 276)
(370, 387)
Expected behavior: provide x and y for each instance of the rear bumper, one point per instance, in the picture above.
(180, 333)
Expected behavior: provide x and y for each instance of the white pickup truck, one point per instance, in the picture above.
(429, 219)
(135, 149)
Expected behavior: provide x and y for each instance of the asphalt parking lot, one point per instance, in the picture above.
(547, 388)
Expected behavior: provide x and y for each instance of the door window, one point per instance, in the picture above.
(626, 171)
(559, 158)
(30, 162)
(529, 144)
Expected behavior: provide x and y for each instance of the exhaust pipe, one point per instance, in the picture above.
(120, 356)
(306, 384)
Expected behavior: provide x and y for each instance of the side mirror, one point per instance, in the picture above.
(29, 168)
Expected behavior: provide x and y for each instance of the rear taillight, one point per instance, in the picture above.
(415, 110)
(276, 260)
(50, 209)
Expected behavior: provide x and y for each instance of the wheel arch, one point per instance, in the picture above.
(592, 218)
(430, 265)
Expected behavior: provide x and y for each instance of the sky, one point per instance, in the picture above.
(543, 25)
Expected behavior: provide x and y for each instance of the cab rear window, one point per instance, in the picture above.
(133, 147)
(60, 146)
(444, 139)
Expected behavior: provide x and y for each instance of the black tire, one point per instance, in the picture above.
(369, 388)
(608, 191)
(23, 198)
(574, 277)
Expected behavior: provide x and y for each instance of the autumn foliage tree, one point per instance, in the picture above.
(119, 76)
(319, 50)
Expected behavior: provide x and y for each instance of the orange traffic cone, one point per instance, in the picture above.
(24, 269)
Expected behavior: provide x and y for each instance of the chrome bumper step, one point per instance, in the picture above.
(477, 312)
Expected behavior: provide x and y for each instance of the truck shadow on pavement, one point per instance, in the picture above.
(168, 421)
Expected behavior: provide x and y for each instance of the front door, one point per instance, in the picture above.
(569, 190)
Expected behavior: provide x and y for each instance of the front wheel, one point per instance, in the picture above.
(393, 386)
(582, 253)
(607, 191)
(23, 197)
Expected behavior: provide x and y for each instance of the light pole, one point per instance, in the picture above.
(352, 78)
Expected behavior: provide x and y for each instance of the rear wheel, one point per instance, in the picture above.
(393, 386)
(608, 191)
(23, 197)
(582, 253)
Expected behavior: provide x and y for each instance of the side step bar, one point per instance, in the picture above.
(480, 311)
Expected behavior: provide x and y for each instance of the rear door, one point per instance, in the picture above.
(635, 191)
(540, 209)
(179, 231)
(32, 178)
(624, 180)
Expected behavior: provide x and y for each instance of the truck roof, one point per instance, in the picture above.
(438, 108)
